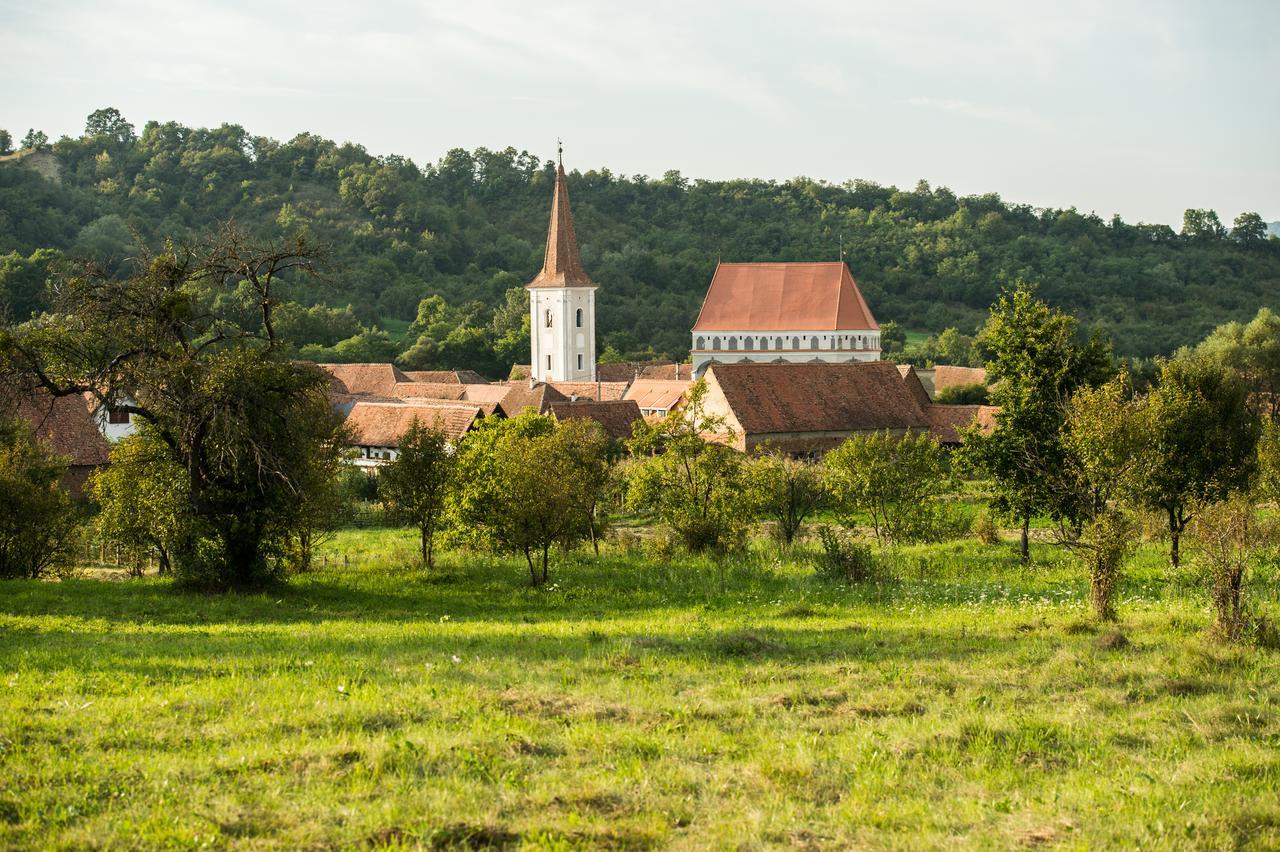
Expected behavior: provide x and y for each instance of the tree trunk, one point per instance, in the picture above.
(1024, 543)
(545, 550)
(422, 545)
(1176, 526)
(533, 574)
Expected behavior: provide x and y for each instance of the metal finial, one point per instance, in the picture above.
(560, 151)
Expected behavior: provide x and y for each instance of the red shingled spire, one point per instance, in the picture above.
(561, 267)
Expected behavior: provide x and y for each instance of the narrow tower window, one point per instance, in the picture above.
(579, 357)
(578, 318)
(548, 318)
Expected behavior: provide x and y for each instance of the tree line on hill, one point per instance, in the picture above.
(238, 466)
(468, 231)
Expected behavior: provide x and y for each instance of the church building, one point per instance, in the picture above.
(562, 303)
(784, 313)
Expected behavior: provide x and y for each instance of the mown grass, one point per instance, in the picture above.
(634, 704)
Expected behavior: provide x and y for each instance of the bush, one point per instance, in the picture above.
(985, 529)
(37, 518)
(843, 559)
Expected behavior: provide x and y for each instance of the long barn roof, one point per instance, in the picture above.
(784, 297)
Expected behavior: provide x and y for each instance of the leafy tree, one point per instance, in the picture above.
(110, 123)
(1230, 537)
(591, 454)
(690, 483)
(1202, 225)
(1104, 436)
(142, 498)
(22, 282)
(893, 338)
(785, 490)
(892, 478)
(35, 140)
(1035, 364)
(6, 142)
(417, 483)
(245, 423)
(37, 519)
(1201, 442)
(1269, 463)
(1249, 229)
(522, 492)
(318, 324)
(973, 394)
(1251, 351)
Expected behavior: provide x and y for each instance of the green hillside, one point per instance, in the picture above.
(471, 226)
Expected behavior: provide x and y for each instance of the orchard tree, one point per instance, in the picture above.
(188, 344)
(1104, 436)
(1251, 351)
(785, 490)
(894, 479)
(1035, 363)
(1249, 229)
(142, 498)
(1269, 463)
(686, 476)
(592, 454)
(418, 482)
(1201, 445)
(37, 518)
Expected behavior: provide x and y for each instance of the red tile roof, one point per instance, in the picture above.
(615, 415)
(485, 393)
(522, 397)
(590, 390)
(784, 297)
(383, 424)
(945, 376)
(629, 371)
(427, 390)
(65, 425)
(946, 421)
(651, 394)
(785, 398)
(561, 266)
(446, 377)
(913, 384)
(366, 378)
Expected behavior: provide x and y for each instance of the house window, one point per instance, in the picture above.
(577, 318)
(117, 416)
(579, 357)
(548, 317)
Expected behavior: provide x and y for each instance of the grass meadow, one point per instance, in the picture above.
(636, 703)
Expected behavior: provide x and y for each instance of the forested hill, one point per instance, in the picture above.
(471, 227)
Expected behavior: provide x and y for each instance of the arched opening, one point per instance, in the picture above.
(733, 344)
(813, 342)
(749, 344)
(577, 320)
(795, 343)
(702, 342)
(548, 318)
(715, 343)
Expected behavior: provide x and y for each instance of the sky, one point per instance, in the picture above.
(1124, 106)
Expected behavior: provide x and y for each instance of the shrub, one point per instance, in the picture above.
(37, 519)
(985, 529)
(843, 559)
(893, 479)
(1231, 540)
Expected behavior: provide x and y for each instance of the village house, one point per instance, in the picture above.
(376, 428)
(806, 410)
(783, 313)
(67, 426)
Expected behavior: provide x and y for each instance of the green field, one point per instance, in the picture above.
(632, 703)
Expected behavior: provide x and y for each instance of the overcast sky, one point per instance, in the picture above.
(1136, 108)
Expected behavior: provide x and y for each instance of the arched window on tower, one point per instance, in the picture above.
(813, 342)
(548, 317)
(795, 343)
(733, 344)
(577, 319)
(715, 343)
(749, 344)
(702, 342)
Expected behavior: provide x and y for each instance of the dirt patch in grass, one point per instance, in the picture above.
(461, 835)
(1079, 627)
(524, 703)
(1112, 640)
(744, 643)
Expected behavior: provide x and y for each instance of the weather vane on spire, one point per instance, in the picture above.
(559, 151)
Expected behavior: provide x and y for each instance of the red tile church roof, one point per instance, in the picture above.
(784, 297)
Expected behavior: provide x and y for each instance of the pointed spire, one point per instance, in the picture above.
(561, 267)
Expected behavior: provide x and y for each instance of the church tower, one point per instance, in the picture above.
(562, 303)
